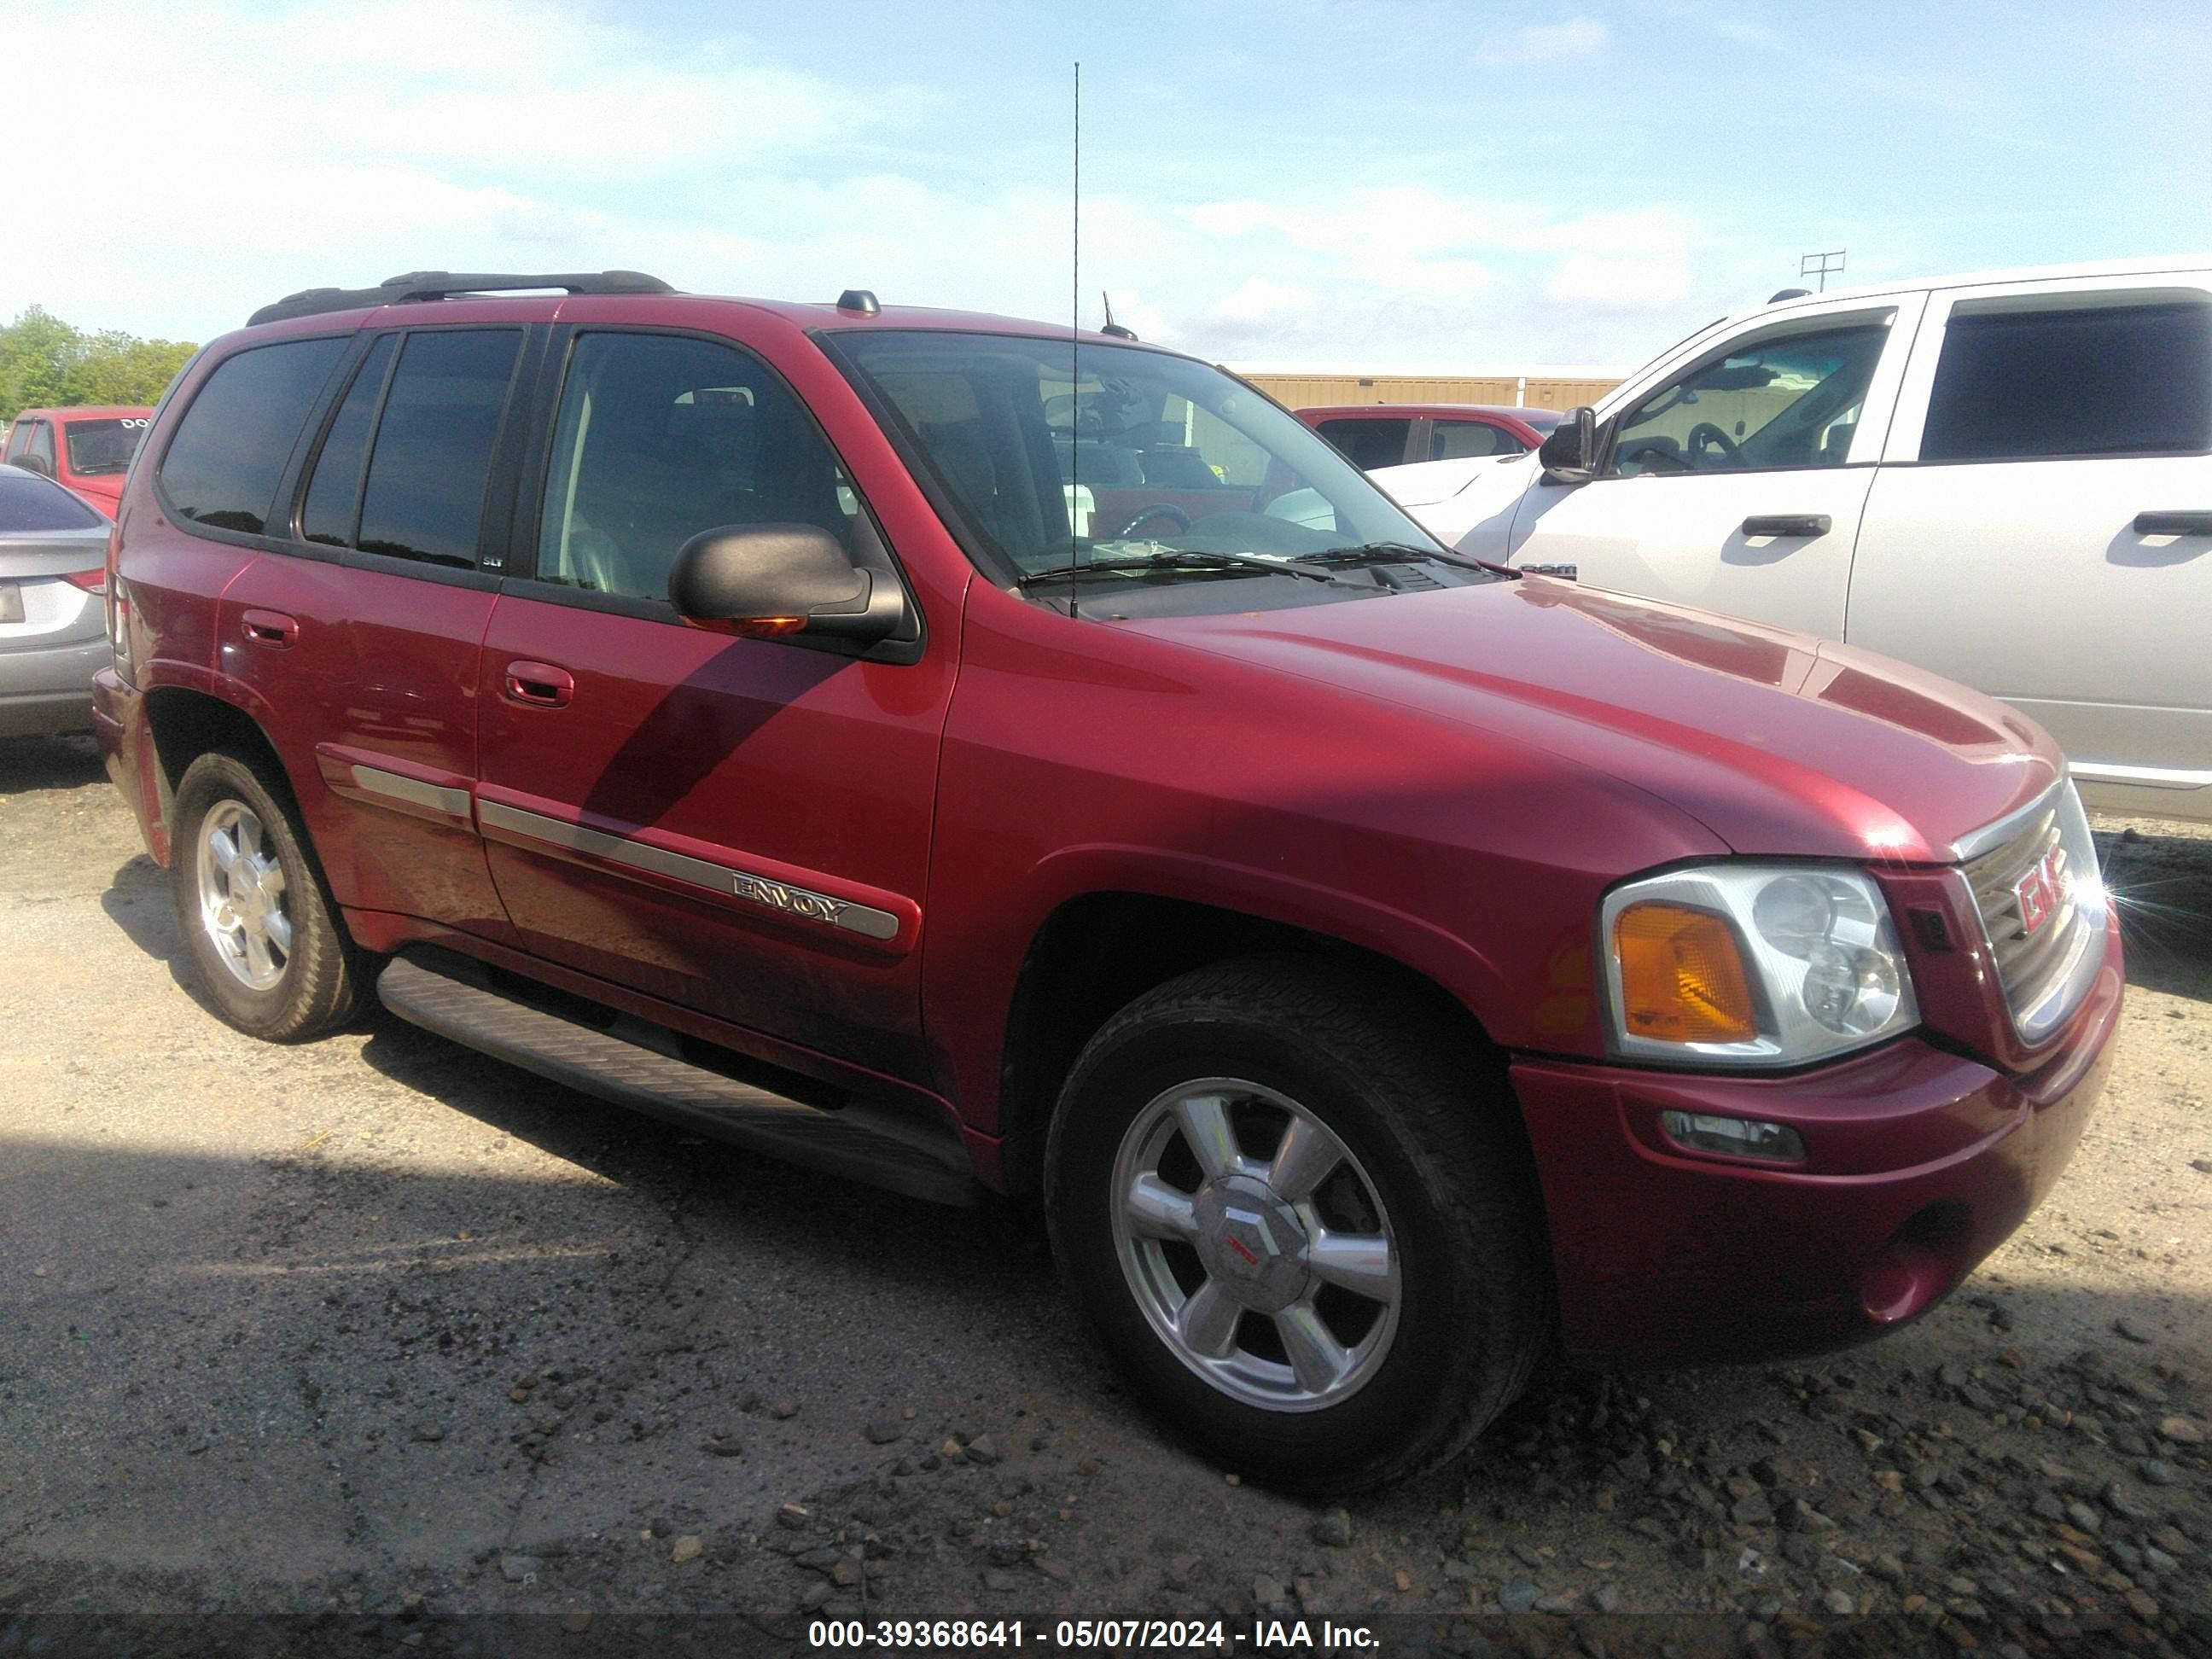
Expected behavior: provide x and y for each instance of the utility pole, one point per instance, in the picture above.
(1822, 265)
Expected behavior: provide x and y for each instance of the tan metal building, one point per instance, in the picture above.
(1534, 392)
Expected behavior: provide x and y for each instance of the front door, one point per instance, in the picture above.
(1737, 483)
(740, 826)
(2041, 527)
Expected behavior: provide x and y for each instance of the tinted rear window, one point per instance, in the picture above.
(29, 502)
(1367, 443)
(2117, 380)
(105, 445)
(222, 466)
(425, 499)
(335, 494)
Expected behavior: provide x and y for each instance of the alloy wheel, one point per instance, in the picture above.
(242, 896)
(1256, 1244)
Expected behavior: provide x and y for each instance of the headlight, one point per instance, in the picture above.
(1752, 964)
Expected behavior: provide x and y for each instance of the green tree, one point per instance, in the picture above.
(46, 362)
(35, 351)
(114, 367)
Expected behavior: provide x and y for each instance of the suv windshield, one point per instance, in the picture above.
(1054, 453)
(105, 445)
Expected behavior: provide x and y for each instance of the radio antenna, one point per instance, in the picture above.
(1075, 344)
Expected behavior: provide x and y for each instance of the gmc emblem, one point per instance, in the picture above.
(2040, 891)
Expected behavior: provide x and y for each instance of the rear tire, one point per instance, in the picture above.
(1324, 1321)
(251, 906)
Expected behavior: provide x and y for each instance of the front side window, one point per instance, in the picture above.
(103, 446)
(222, 466)
(660, 437)
(1460, 441)
(1777, 403)
(2124, 380)
(1053, 455)
(1367, 442)
(424, 496)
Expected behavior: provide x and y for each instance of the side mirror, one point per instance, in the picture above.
(1570, 454)
(772, 580)
(30, 463)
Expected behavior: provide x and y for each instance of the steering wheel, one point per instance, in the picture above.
(1652, 455)
(1158, 509)
(1705, 435)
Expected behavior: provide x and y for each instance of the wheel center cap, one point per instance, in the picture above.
(1252, 1243)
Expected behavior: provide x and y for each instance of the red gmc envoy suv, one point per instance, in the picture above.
(960, 753)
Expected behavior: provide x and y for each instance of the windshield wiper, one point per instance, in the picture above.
(1403, 553)
(1175, 561)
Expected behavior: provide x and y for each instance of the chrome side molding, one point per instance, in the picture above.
(864, 920)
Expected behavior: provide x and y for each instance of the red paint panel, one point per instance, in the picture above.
(1664, 1257)
(384, 670)
(1085, 758)
(746, 753)
(717, 890)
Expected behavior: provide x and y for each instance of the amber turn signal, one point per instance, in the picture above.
(748, 628)
(1681, 976)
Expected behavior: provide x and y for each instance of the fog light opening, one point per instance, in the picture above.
(1918, 1266)
(1733, 1136)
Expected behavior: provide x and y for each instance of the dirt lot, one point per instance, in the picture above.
(384, 1335)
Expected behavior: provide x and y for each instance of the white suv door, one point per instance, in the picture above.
(1734, 478)
(2041, 525)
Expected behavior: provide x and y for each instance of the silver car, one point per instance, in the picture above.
(53, 618)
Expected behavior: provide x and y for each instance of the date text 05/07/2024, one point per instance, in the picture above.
(1278, 1635)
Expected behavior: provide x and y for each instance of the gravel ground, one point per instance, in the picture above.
(387, 1337)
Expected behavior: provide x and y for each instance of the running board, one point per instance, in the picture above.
(458, 998)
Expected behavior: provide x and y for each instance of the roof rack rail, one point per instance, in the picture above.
(418, 285)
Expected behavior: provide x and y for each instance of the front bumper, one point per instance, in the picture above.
(1920, 1162)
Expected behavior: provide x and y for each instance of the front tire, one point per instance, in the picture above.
(1303, 1221)
(251, 906)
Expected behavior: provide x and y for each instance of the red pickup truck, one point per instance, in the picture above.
(934, 749)
(86, 450)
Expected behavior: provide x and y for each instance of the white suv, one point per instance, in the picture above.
(2005, 479)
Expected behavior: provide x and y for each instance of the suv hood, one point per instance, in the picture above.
(1778, 743)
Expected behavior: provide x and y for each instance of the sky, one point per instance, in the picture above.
(1390, 186)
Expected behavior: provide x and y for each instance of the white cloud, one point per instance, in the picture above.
(1546, 43)
(1415, 244)
(465, 86)
(1619, 282)
(318, 143)
(1259, 301)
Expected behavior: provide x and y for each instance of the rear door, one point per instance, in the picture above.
(739, 826)
(1736, 483)
(361, 636)
(2041, 525)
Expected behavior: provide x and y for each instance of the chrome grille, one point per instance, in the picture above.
(2046, 971)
